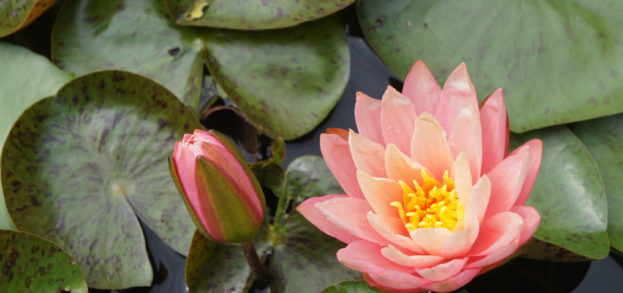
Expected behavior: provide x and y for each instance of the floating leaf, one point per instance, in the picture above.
(79, 167)
(251, 14)
(15, 15)
(32, 77)
(569, 194)
(309, 176)
(31, 264)
(350, 287)
(558, 61)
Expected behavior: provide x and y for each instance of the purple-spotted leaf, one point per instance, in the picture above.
(309, 176)
(16, 14)
(350, 287)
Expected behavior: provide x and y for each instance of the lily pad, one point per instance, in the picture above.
(32, 77)
(558, 61)
(604, 139)
(309, 176)
(31, 264)
(80, 167)
(350, 287)
(296, 75)
(16, 14)
(569, 194)
(251, 14)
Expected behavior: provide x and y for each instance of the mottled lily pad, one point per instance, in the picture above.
(31, 264)
(350, 287)
(32, 77)
(80, 167)
(604, 139)
(309, 176)
(251, 14)
(558, 61)
(569, 194)
(16, 14)
(284, 81)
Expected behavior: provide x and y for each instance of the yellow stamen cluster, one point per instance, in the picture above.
(430, 205)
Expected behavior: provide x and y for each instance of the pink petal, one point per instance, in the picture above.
(531, 219)
(507, 179)
(443, 271)
(336, 153)
(400, 166)
(494, 122)
(380, 193)
(429, 146)
(392, 230)
(454, 283)
(462, 178)
(368, 117)
(399, 280)
(431, 239)
(458, 93)
(364, 256)
(349, 214)
(397, 116)
(536, 151)
(410, 260)
(460, 243)
(466, 136)
(496, 232)
(310, 212)
(367, 155)
(478, 201)
(420, 86)
(494, 257)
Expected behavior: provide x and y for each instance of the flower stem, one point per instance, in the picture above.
(258, 269)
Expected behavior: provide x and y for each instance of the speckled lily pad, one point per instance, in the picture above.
(558, 61)
(31, 264)
(16, 14)
(80, 167)
(251, 14)
(350, 287)
(309, 176)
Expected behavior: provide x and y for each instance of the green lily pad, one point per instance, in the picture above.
(251, 14)
(569, 194)
(32, 77)
(296, 75)
(31, 264)
(604, 139)
(80, 167)
(350, 287)
(309, 176)
(558, 61)
(16, 14)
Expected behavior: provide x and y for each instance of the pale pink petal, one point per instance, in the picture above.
(429, 146)
(458, 93)
(399, 280)
(393, 231)
(536, 151)
(443, 271)
(410, 260)
(367, 155)
(466, 136)
(431, 239)
(495, 132)
(497, 231)
(365, 256)
(312, 214)
(336, 153)
(460, 243)
(454, 283)
(478, 201)
(380, 193)
(507, 179)
(531, 219)
(397, 117)
(400, 166)
(349, 214)
(368, 117)
(462, 178)
(420, 86)
(494, 257)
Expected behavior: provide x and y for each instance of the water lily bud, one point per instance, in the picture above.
(221, 194)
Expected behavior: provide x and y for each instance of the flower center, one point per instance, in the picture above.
(430, 205)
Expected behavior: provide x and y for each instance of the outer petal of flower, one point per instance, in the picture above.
(349, 214)
(531, 219)
(466, 136)
(429, 146)
(443, 271)
(460, 243)
(496, 232)
(507, 179)
(367, 155)
(495, 256)
(313, 215)
(456, 282)
(368, 117)
(392, 230)
(415, 260)
(536, 151)
(431, 239)
(399, 280)
(478, 201)
(336, 153)
(380, 192)
(494, 122)
(400, 166)
(458, 93)
(462, 178)
(365, 256)
(397, 117)
(420, 86)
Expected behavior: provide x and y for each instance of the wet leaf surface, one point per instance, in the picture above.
(309, 176)
(350, 287)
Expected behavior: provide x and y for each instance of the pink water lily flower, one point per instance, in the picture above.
(432, 196)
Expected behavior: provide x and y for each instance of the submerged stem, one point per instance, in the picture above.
(260, 272)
